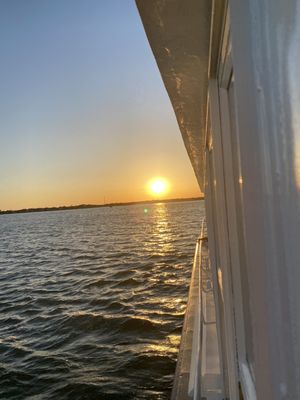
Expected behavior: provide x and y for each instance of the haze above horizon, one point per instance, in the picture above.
(84, 113)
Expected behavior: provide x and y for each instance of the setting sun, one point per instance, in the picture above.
(158, 186)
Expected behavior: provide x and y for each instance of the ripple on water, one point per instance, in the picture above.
(92, 301)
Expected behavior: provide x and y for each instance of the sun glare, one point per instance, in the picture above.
(158, 186)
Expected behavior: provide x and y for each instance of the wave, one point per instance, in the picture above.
(88, 302)
(90, 322)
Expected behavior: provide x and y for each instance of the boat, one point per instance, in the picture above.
(231, 70)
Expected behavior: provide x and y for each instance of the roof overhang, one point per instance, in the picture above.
(179, 35)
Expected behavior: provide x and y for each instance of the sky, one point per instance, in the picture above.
(84, 115)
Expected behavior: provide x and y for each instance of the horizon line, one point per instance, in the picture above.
(81, 206)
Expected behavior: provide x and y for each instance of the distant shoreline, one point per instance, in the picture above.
(82, 206)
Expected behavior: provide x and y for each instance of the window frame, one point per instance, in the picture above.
(224, 78)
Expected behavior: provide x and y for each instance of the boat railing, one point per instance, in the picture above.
(198, 372)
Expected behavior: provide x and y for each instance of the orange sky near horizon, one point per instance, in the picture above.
(127, 185)
(88, 194)
(84, 115)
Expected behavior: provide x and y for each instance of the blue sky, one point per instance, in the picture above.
(83, 110)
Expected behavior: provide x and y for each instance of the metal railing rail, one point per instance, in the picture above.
(198, 371)
(202, 321)
(196, 357)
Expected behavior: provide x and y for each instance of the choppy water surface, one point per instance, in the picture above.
(92, 301)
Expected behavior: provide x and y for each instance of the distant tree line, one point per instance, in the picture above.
(80, 206)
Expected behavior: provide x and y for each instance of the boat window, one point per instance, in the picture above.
(238, 189)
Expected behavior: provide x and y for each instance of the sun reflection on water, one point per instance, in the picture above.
(160, 241)
(101, 295)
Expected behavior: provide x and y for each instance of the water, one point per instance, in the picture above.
(92, 301)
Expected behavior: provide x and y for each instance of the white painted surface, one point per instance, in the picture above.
(265, 49)
(173, 29)
(266, 63)
(247, 385)
(222, 242)
(195, 353)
